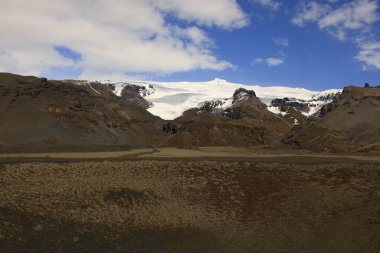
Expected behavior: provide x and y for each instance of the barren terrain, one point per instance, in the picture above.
(189, 200)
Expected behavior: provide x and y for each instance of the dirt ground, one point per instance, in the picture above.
(150, 201)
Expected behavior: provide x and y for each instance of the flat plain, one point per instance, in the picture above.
(189, 200)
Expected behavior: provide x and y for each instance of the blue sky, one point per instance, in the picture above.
(312, 59)
(313, 44)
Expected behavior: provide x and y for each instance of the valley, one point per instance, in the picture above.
(92, 167)
(225, 126)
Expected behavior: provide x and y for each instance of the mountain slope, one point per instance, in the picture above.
(245, 122)
(35, 111)
(350, 123)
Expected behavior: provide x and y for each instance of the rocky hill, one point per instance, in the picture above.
(38, 112)
(350, 123)
(244, 122)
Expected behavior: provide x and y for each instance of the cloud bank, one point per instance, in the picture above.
(113, 37)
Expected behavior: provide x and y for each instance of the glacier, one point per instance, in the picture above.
(170, 99)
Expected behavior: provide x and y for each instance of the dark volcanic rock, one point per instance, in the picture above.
(296, 111)
(286, 104)
(242, 93)
(134, 94)
(214, 107)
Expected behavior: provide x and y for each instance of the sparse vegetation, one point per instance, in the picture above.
(213, 206)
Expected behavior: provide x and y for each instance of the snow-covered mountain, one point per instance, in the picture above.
(170, 99)
(308, 107)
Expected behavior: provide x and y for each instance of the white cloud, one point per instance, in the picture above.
(351, 16)
(270, 62)
(355, 15)
(33, 59)
(195, 35)
(222, 13)
(281, 41)
(351, 21)
(109, 75)
(369, 54)
(113, 37)
(272, 4)
(312, 11)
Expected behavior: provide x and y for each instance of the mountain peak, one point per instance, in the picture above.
(243, 94)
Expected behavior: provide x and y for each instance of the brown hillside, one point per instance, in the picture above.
(35, 111)
(247, 122)
(350, 123)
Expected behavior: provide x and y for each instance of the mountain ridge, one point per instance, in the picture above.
(39, 112)
(170, 99)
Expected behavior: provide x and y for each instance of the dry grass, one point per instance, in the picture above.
(246, 206)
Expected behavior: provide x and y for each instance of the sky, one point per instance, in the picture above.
(312, 44)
